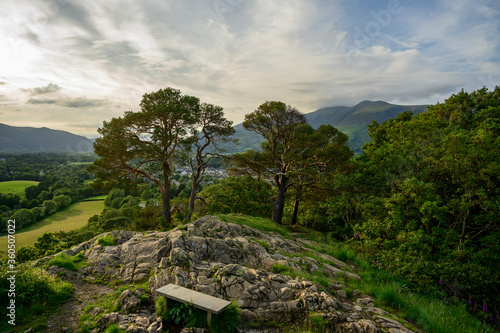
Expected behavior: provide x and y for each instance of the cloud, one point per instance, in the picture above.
(42, 101)
(83, 103)
(70, 102)
(50, 88)
(2, 83)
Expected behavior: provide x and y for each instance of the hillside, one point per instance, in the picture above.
(273, 277)
(31, 139)
(350, 120)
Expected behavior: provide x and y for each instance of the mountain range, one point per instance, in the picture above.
(350, 120)
(30, 139)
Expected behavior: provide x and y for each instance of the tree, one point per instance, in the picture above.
(277, 123)
(316, 152)
(50, 207)
(144, 145)
(239, 195)
(426, 192)
(215, 129)
(23, 217)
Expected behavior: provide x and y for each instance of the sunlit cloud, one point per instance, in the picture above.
(59, 57)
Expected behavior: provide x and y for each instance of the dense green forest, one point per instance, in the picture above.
(420, 200)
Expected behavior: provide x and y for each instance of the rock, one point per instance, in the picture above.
(128, 301)
(233, 262)
(108, 319)
(362, 326)
(156, 327)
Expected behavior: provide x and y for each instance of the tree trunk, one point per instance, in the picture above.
(192, 197)
(165, 200)
(279, 203)
(295, 211)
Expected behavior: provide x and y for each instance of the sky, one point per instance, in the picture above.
(70, 65)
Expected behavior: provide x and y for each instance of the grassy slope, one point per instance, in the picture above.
(389, 291)
(16, 187)
(73, 217)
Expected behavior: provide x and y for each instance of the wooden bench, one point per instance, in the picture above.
(201, 301)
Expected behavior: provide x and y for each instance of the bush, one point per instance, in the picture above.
(108, 240)
(36, 293)
(227, 321)
(64, 261)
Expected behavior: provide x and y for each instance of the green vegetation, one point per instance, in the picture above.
(35, 186)
(109, 240)
(151, 143)
(37, 294)
(107, 303)
(96, 198)
(259, 223)
(70, 263)
(74, 217)
(16, 187)
(186, 315)
(114, 329)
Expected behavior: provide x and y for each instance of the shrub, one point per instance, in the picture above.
(108, 240)
(64, 261)
(227, 321)
(36, 293)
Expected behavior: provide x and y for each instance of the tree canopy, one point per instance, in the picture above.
(293, 155)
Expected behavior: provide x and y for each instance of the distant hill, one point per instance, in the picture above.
(31, 139)
(350, 120)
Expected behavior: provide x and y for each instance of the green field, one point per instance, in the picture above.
(16, 187)
(73, 217)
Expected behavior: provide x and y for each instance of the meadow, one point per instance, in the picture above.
(16, 187)
(73, 217)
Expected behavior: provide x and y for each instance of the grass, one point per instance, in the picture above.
(16, 187)
(259, 223)
(70, 263)
(96, 198)
(37, 294)
(108, 304)
(389, 291)
(73, 217)
(109, 240)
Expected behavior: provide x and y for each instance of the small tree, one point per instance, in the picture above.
(214, 129)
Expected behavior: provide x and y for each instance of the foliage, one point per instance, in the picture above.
(146, 144)
(227, 321)
(36, 293)
(293, 156)
(114, 329)
(239, 195)
(108, 240)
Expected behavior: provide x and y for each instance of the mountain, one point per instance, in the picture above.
(350, 120)
(31, 139)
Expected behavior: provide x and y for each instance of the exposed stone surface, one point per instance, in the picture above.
(225, 260)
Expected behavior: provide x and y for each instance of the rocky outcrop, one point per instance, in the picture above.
(237, 263)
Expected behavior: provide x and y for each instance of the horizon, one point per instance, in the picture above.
(234, 125)
(70, 66)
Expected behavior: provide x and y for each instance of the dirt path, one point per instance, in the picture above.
(84, 293)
